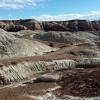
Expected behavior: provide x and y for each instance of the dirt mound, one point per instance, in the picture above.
(67, 37)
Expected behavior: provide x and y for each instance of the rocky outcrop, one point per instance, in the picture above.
(88, 62)
(31, 24)
(25, 70)
(49, 78)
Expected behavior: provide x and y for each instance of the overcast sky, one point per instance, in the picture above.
(50, 9)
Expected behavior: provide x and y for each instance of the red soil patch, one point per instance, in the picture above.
(80, 82)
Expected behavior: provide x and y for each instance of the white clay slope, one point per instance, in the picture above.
(10, 46)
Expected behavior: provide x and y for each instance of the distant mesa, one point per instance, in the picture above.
(32, 24)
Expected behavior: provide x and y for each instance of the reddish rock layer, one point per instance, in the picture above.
(31, 24)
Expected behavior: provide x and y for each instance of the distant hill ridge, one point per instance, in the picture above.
(32, 24)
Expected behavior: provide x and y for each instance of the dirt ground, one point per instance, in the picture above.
(75, 82)
(80, 82)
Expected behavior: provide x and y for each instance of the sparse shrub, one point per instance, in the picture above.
(1, 65)
(51, 45)
(87, 53)
(63, 46)
(14, 62)
(52, 51)
(73, 53)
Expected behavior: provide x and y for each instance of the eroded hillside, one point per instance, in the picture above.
(57, 60)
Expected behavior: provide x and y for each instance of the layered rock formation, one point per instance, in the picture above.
(31, 24)
(17, 25)
(25, 70)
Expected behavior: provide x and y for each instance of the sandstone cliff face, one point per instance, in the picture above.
(31, 24)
